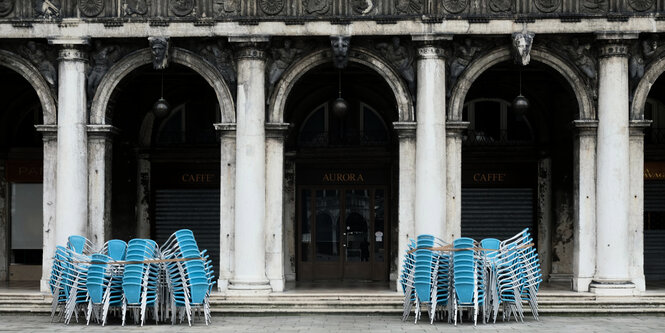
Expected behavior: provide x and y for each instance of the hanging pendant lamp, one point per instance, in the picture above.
(161, 108)
(520, 103)
(340, 106)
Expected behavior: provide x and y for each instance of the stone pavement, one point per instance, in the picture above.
(346, 323)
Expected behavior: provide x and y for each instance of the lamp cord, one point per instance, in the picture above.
(339, 83)
(162, 91)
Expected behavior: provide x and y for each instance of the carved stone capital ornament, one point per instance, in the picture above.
(91, 8)
(253, 51)
(613, 48)
(522, 42)
(431, 52)
(69, 53)
(340, 50)
(159, 47)
(6, 7)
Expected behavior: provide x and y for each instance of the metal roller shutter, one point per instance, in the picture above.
(497, 212)
(654, 240)
(194, 209)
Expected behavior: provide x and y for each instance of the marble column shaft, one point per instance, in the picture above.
(274, 233)
(612, 175)
(430, 196)
(636, 221)
(227, 202)
(49, 137)
(100, 151)
(72, 164)
(406, 132)
(250, 191)
(453, 224)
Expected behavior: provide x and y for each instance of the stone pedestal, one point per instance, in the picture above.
(250, 191)
(406, 133)
(430, 196)
(72, 163)
(612, 173)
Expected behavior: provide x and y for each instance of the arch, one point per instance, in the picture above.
(36, 80)
(143, 57)
(643, 88)
(357, 55)
(503, 53)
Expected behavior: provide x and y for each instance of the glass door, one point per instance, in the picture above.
(341, 233)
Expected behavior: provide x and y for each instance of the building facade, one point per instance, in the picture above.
(309, 140)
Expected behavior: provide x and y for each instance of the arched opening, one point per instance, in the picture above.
(654, 185)
(517, 166)
(21, 179)
(166, 164)
(342, 165)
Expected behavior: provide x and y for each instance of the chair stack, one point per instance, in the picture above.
(189, 281)
(140, 279)
(104, 288)
(481, 276)
(468, 277)
(68, 283)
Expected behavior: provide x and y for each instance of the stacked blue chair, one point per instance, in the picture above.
(140, 279)
(490, 253)
(406, 279)
(510, 274)
(189, 281)
(80, 245)
(68, 283)
(57, 280)
(440, 304)
(468, 277)
(104, 286)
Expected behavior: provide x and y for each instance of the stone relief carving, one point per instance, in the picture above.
(48, 9)
(547, 6)
(340, 47)
(522, 42)
(362, 7)
(641, 5)
(135, 7)
(6, 7)
(594, 6)
(462, 55)
(409, 6)
(271, 7)
(91, 8)
(38, 56)
(500, 6)
(160, 51)
(281, 58)
(641, 53)
(455, 6)
(401, 58)
(581, 56)
(316, 6)
(225, 7)
(101, 59)
(221, 56)
(181, 7)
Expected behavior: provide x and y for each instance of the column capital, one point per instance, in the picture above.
(226, 129)
(455, 128)
(637, 127)
(429, 50)
(405, 129)
(70, 48)
(276, 130)
(49, 132)
(250, 47)
(102, 131)
(586, 127)
(614, 44)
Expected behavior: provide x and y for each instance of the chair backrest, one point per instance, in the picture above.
(76, 243)
(117, 249)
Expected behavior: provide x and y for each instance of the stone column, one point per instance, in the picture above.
(250, 191)
(100, 156)
(49, 137)
(430, 199)
(544, 218)
(274, 237)
(72, 164)
(453, 224)
(227, 175)
(406, 133)
(636, 220)
(143, 194)
(584, 238)
(612, 172)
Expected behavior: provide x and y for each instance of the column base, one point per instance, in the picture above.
(238, 287)
(581, 284)
(612, 288)
(277, 284)
(44, 286)
(222, 285)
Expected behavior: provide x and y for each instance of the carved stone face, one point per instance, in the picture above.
(522, 44)
(340, 46)
(159, 47)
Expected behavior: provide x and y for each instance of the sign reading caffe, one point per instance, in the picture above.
(185, 176)
(499, 175)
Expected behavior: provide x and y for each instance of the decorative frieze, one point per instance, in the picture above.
(91, 8)
(251, 50)
(613, 49)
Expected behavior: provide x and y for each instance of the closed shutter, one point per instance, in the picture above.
(654, 239)
(497, 212)
(194, 209)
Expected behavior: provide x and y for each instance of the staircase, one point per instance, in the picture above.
(568, 303)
